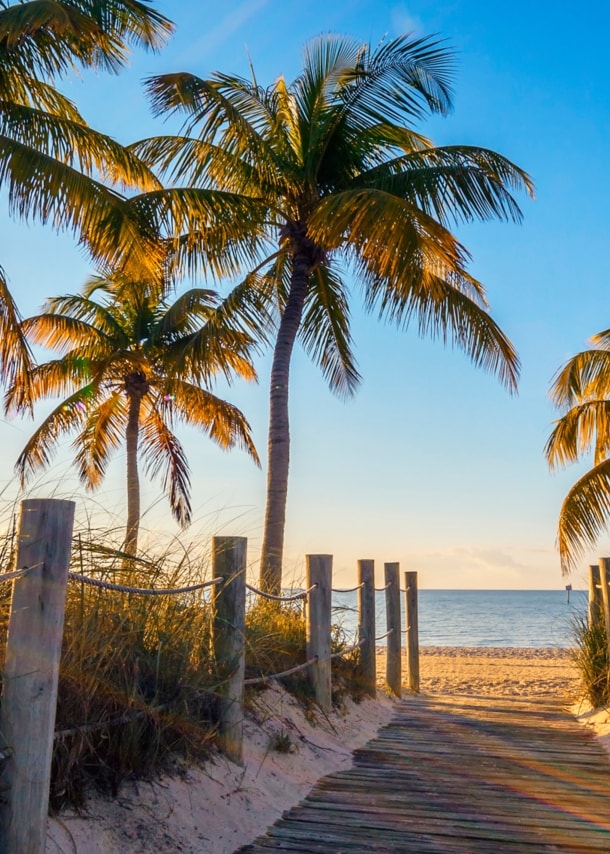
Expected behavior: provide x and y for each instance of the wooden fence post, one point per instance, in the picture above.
(412, 622)
(366, 625)
(229, 608)
(31, 671)
(393, 624)
(604, 571)
(595, 596)
(319, 570)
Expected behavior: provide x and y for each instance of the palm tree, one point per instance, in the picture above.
(132, 366)
(581, 389)
(54, 166)
(346, 186)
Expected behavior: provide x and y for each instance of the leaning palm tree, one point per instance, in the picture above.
(581, 389)
(347, 190)
(133, 365)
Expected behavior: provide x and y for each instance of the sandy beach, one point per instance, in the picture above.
(493, 670)
(217, 808)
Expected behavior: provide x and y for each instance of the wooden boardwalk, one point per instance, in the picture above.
(460, 774)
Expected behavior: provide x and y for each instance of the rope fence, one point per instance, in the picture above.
(296, 597)
(43, 599)
(348, 589)
(259, 680)
(142, 591)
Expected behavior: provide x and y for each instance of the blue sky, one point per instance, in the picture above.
(432, 464)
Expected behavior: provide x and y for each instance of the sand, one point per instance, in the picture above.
(222, 806)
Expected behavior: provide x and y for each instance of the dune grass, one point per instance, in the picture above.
(138, 691)
(591, 658)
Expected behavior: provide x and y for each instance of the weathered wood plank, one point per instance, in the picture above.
(460, 774)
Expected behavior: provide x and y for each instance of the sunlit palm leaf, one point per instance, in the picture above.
(440, 309)
(165, 455)
(75, 144)
(583, 428)
(325, 332)
(584, 516)
(224, 423)
(40, 450)
(16, 359)
(51, 35)
(102, 433)
(457, 183)
(586, 374)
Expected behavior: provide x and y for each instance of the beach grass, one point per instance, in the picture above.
(590, 653)
(139, 687)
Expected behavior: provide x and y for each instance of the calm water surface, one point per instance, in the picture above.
(521, 618)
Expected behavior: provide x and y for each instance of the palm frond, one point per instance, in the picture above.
(165, 455)
(75, 144)
(57, 378)
(584, 515)
(21, 89)
(440, 308)
(387, 234)
(114, 229)
(16, 358)
(455, 183)
(51, 36)
(587, 374)
(63, 332)
(229, 334)
(184, 316)
(583, 428)
(102, 433)
(42, 445)
(325, 333)
(224, 227)
(224, 423)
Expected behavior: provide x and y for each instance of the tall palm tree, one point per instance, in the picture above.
(581, 389)
(346, 186)
(132, 365)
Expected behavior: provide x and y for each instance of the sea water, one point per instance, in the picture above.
(517, 618)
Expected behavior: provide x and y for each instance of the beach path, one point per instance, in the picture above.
(460, 773)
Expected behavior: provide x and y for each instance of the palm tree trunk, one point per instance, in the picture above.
(279, 428)
(133, 479)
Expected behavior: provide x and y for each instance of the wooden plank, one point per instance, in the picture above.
(456, 774)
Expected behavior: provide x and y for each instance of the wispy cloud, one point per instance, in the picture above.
(487, 567)
(217, 35)
(403, 22)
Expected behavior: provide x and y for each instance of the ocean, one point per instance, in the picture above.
(518, 618)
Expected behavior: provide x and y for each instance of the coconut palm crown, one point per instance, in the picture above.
(133, 365)
(351, 198)
(52, 164)
(581, 389)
